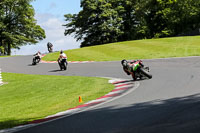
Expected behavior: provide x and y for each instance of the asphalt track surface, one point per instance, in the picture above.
(167, 103)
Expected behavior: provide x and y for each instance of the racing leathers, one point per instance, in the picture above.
(62, 58)
(129, 68)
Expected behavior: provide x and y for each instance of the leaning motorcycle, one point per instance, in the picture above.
(50, 49)
(63, 64)
(140, 71)
(36, 59)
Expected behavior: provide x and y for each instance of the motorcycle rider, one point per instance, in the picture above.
(62, 58)
(37, 56)
(128, 67)
(50, 47)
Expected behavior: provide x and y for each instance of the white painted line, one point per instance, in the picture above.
(123, 86)
(64, 113)
(112, 99)
(98, 100)
(1, 79)
(115, 92)
(14, 129)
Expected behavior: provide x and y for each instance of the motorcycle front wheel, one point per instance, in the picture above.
(34, 61)
(146, 73)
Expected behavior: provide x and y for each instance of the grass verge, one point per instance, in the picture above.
(139, 49)
(29, 97)
(9, 56)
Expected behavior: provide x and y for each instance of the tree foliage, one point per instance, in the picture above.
(163, 18)
(105, 21)
(97, 23)
(17, 25)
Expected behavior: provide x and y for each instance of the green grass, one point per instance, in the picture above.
(29, 97)
(9, 56)
(139, 49)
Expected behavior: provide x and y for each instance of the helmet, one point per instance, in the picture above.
(124, 63)
(61, 52)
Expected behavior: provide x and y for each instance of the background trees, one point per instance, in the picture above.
(17, 25)
(97, 23)
(105, 21)
(163, 18)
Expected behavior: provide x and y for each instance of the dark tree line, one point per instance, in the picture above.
(17, 25)
(106, 21)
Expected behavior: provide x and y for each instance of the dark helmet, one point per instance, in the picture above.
(124, 63)
(61, 52)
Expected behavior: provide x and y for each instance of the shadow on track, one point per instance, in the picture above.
(128, 81)
(31, 65)
(143, 79)
(58, 70)
(13, 122)
(177, 115)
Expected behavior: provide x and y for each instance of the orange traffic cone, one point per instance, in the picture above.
(80, 99)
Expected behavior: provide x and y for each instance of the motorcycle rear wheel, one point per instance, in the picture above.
(64, 67)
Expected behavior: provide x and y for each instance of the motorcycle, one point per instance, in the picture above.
(36, 59)
(139, 70)
(63, 64)
(50, 49)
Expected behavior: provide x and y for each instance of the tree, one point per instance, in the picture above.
(126, 11)
(188, 13)
(163, 18)
(17, 25)
(98, 23)
(105, 21)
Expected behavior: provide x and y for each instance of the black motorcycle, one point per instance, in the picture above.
(63, 64)
(36, 59)
(50, 49)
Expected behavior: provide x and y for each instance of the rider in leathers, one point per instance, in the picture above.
(37, 56)
(128, 67)
(62, 57)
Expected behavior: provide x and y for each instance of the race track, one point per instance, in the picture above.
(167, 103)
